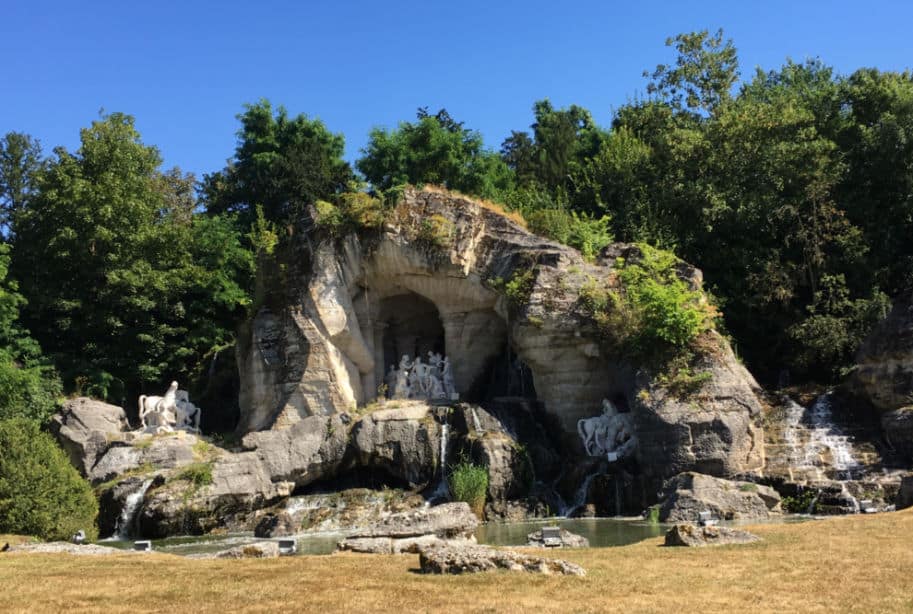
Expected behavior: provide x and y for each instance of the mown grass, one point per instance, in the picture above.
(849, 564)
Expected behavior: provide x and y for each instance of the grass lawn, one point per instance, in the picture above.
(846, 564)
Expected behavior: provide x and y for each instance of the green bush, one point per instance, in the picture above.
(469, 483)
(435, 232)
(41, 494)
(670, 312)
(27, 391)
(578, 230)
(350, 212)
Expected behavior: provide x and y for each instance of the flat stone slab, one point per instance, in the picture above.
(692, 535)
(415, 410)
(453, 559)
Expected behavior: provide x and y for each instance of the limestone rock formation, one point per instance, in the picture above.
(688, 494)
(414, 530)
(403, 441)
(691, 535)
(457, 559)
(85, 429)
(342, 312)
(567, 540)
(905, 496)
(883, 376)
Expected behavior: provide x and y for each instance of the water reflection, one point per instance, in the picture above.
(601, 532)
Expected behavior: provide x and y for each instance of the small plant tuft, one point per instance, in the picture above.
(469, 483)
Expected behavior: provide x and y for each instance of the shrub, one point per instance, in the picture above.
(469, 483)
(519, 288)
(580, 231)
(27, 391)
(198, 474)
(435, 232)
(350, 212)
(41, 494)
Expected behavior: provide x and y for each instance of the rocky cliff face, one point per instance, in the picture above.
(339, 313)
(883, 377)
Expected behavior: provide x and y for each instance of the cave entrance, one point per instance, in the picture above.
(411, 326)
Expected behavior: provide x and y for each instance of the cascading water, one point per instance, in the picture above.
(579, 497)
(817, 446)
(820, 435)
(476, 424)
(442, 490)
(127, 515)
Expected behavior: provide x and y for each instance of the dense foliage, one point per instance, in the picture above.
(125, 285)
(792, 190)
(41, 494)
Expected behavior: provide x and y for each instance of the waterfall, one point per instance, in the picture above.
(442, 490)
(131, 504)
(822, 435)
(580, 496)
(476, 424)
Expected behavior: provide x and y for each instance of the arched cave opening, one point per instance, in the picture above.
(411, 326)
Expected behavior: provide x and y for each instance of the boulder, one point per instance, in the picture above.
(85, 429)
(905, 496)
(391, 545)
(159, 452)
(883, 374)
(257, 550)
(688, 494)
(468, 558)
(692, 535)
(567, 539)
(404, 442)
(446, 521)
(897, 426)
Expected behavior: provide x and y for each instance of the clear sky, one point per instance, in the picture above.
(184, 69)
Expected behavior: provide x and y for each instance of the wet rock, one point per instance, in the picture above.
(897, 426)
(86, 428)
(905, 496)
(567, 539)
(403, 441)
(279, 524)
(688, 494)
(692, 535)
(457, 559)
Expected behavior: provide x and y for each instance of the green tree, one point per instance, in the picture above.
(125, 287)
(20, 161)
(41, 494)
(706, 67)
(281, 163)
(434, 149)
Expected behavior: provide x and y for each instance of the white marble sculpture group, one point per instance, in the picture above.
(610, 434)
(418, 380)
(167, 413)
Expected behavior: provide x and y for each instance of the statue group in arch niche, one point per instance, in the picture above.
(170, 412)
(610, 434)
(430, 380)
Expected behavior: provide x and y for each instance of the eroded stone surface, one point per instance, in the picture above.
(86, 428)
(688, 494)
(457, 559)
(692, 535)
(567, 540)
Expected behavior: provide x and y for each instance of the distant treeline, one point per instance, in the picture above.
(792, 190)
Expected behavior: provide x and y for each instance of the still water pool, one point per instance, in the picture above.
(602, 532)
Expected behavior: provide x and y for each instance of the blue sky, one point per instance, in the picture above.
(184, 69)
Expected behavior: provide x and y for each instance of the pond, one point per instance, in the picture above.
(601, 532)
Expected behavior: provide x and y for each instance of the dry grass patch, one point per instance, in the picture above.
(850, 564)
